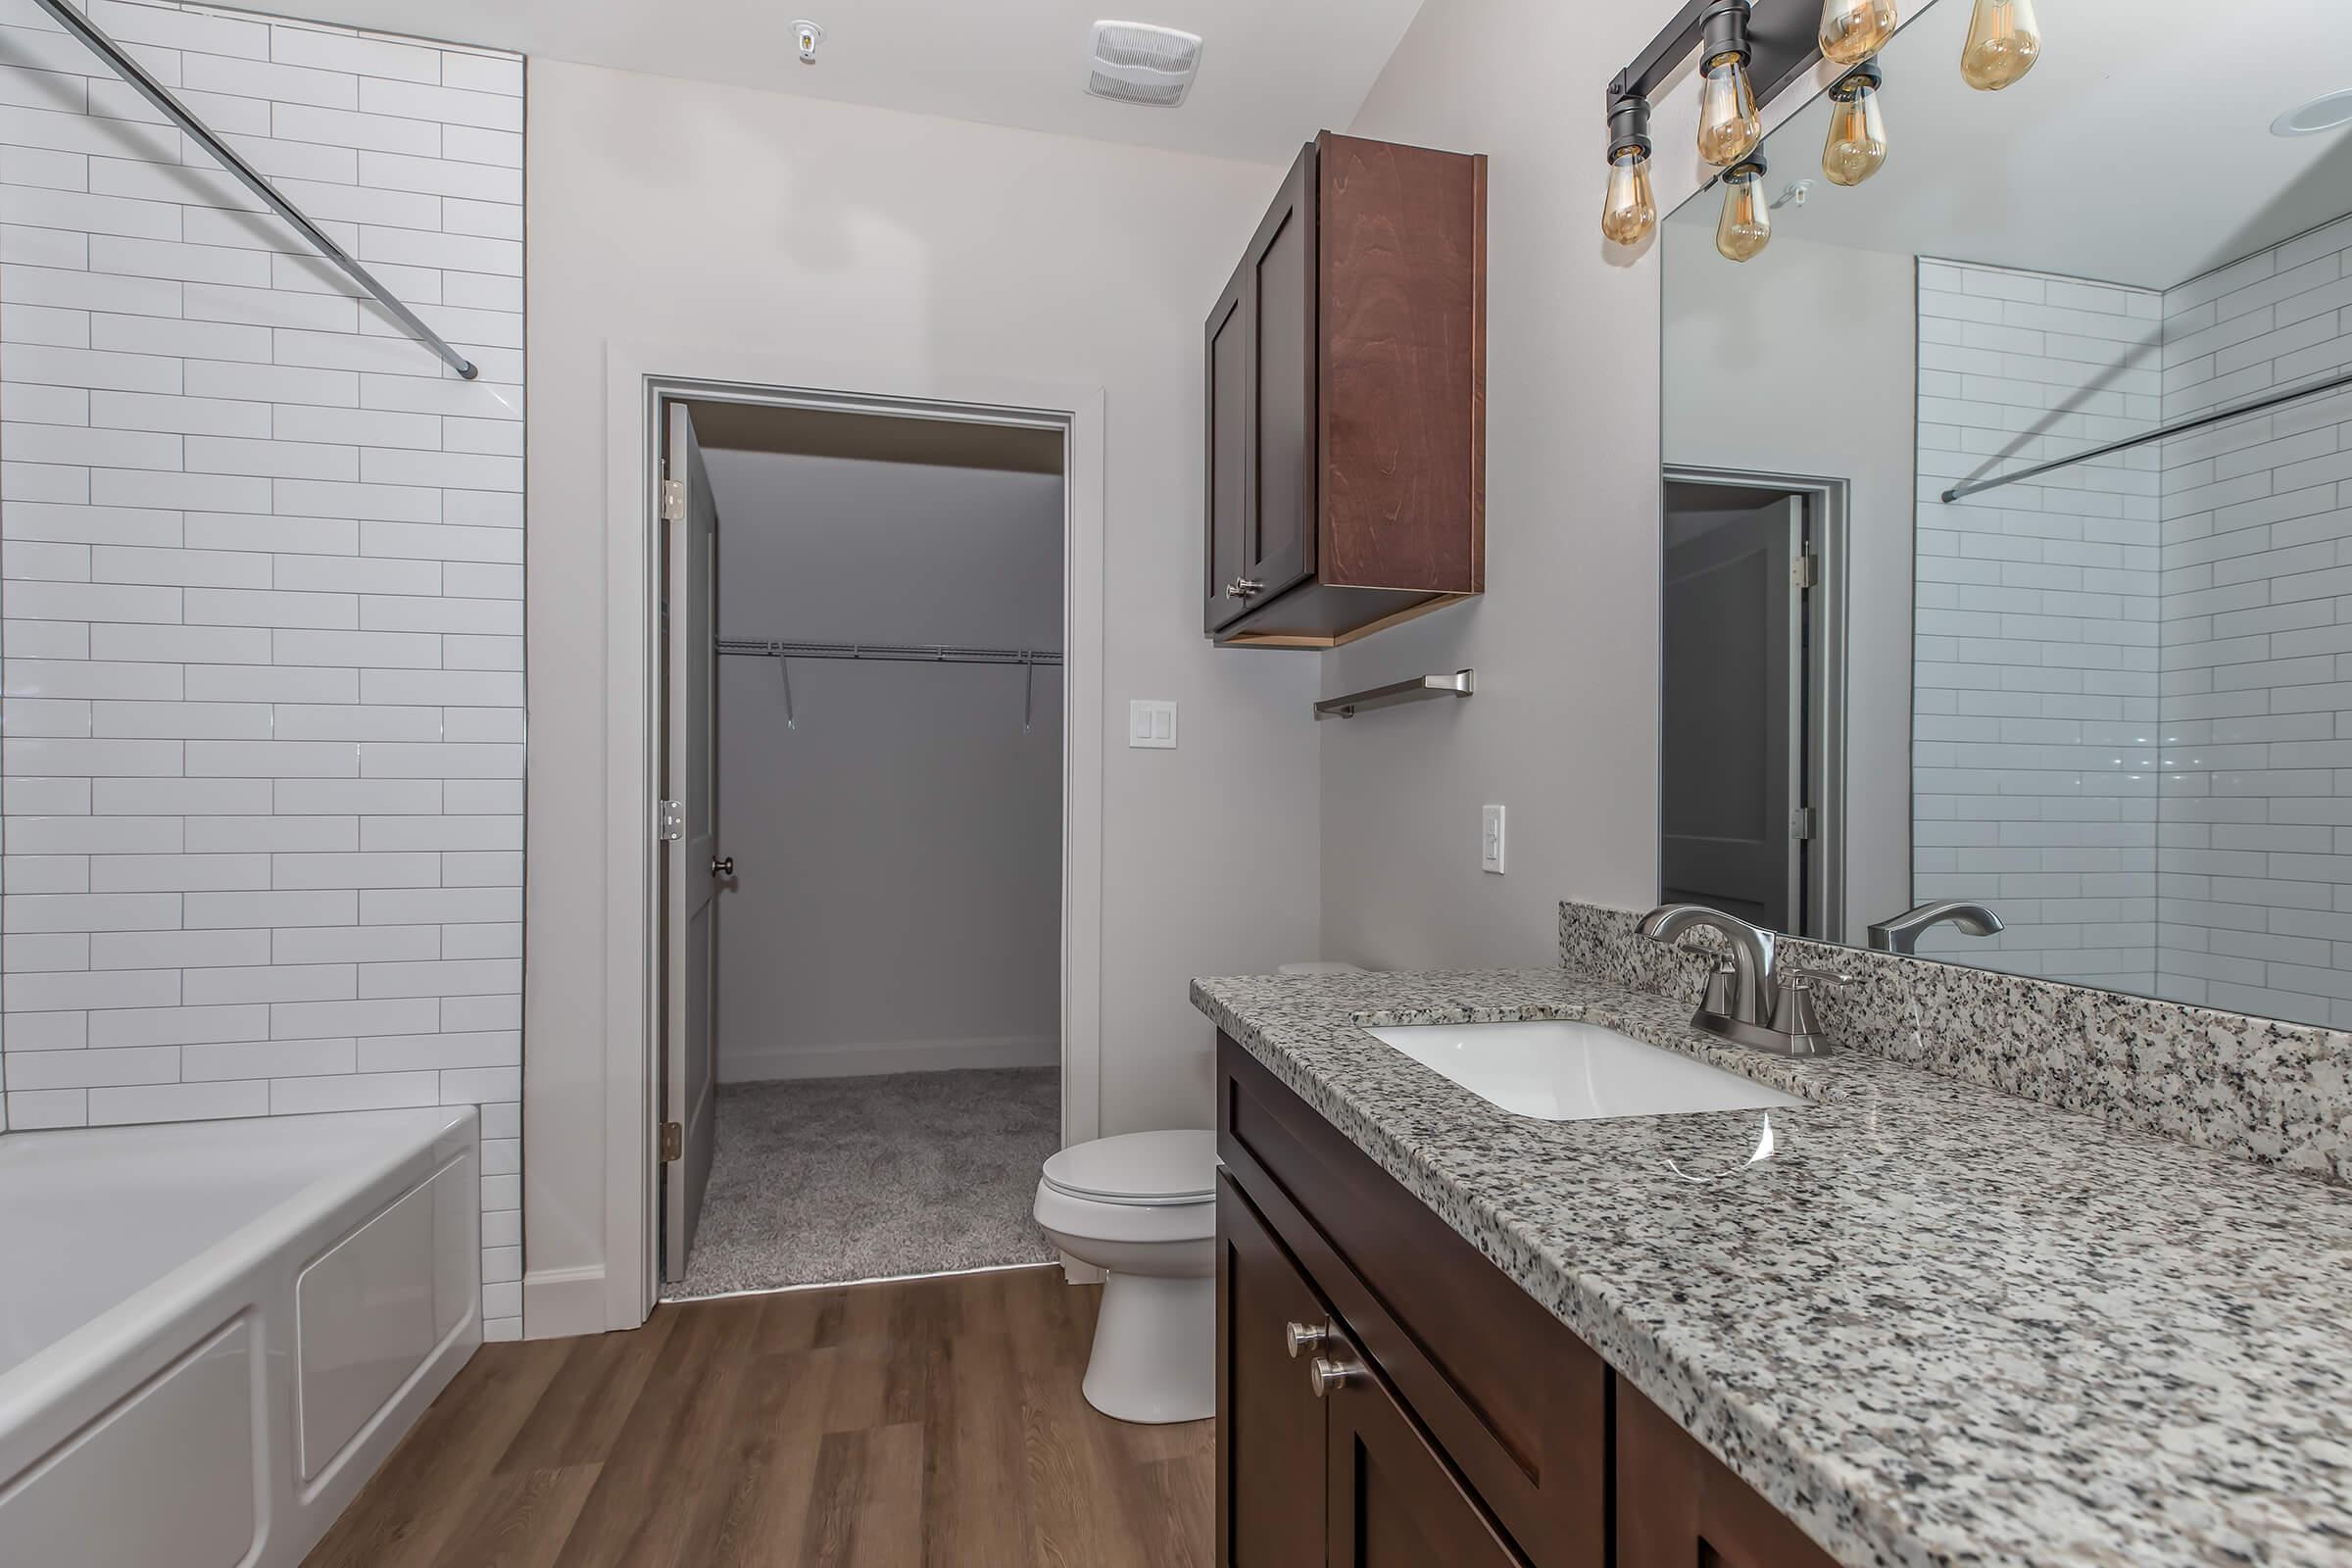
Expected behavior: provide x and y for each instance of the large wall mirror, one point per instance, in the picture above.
(1966, 595)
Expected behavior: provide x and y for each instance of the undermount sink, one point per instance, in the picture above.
(1565, 1070)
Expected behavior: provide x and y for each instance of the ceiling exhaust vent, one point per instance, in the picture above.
(1136, 63)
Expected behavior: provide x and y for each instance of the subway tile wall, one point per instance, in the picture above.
(2255, 829)
(260, 587)
(2035, 677)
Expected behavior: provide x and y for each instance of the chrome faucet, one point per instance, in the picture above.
(1766, 1006)
(1901, 934)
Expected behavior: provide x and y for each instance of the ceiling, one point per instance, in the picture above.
(1272, 72)
(2137, 151)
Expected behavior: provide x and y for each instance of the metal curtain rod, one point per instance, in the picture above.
(130, 71)
(2162, 432)
(902, 653)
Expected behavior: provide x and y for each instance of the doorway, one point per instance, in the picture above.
(1751, 731)
(861, 764)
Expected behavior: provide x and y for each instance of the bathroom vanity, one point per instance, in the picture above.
(1917, 1321)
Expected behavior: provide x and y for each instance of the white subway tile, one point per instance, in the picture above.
(238, 607)
(272, 383)
(185, 722)
(327, 906)
(185, 645)
(266, 1058)
(272, 759)
(471, 181)
(38, 952)
(230, 835)
(368, 132)
(184, 492)
(48, 1031)
(188, 341)
(368, 796)
(184, 796)
(354, 721)
(498, 1048)
(470, 145)
(300, 45)
(171, 259)
(282, 535)
(295, 315)
(358, 574)
(85, 911)
(403, 1015)
(366, 503)
(196, 569)
(363, 1091)
(178, 1103)
(94, 1068)
(357, 944)
(188, 415)
(62, 366)
(381, 649)
(177, 949)
(271, 82)
(439, 905)
(271, 983)
(80, 211)
(356, 870)
(270, 683)
(80, 991)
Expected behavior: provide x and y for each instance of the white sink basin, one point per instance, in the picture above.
(1564, 1070)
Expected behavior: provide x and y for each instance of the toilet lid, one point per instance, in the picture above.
(1170, 1167)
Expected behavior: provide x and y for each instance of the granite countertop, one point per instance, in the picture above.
(1939, 1325)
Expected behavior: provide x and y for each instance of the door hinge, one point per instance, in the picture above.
(670, 821)
(1800, 823)
(673, 1141)
(673, 500)
(1804, 572)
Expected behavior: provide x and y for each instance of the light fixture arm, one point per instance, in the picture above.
(1783, 37)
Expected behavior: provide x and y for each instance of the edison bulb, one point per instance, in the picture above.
(1852, 31)
(1745, 227)
(1729, 127)
(1856, 147)
(1630, 209)
(2004, 40)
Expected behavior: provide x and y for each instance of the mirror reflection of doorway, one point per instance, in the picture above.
(1748, 774)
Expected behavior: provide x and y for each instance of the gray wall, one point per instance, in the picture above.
(896, 904)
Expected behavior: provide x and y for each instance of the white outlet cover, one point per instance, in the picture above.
(1151, 723)
(1489, 838)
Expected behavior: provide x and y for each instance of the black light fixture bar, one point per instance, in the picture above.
(171, 108)
(2162, 432)
(1785, 35)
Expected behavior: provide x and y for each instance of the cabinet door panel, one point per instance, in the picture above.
(1270, 1444)
(1393, 1501)
(1679, 1507)
(1280, 549)
(1230, 377)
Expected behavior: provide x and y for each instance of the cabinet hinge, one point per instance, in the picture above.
(1804, 572)
(673, 500)
(673, 1141)
(1800, 823)
(670, 823)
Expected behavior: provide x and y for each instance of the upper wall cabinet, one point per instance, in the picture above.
(1345, 380)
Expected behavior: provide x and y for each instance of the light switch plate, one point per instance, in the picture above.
(1151, 723)
(1489, 838)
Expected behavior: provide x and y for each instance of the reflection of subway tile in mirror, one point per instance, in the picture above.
(2274, 1092)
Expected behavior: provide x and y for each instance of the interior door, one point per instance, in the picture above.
(1733, 746)
(690, 914)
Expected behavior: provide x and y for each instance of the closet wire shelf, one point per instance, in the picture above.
(1027, 660)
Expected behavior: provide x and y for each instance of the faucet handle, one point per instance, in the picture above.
(1792, 1011)
(1723, 989)
(1808, 975)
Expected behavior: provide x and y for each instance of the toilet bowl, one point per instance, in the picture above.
(1142, 1207)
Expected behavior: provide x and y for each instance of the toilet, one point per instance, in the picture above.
(1142, 1207)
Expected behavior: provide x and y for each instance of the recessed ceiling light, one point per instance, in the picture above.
(2324, 113)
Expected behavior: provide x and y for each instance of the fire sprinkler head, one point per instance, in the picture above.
(808, 35)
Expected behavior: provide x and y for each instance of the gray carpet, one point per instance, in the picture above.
(819, 1179)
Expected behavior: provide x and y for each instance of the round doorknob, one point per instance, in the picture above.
(1323, 1374)
(725, 868)
(1304, 1337)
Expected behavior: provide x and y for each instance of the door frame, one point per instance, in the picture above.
(1827, 513)
(640, 379)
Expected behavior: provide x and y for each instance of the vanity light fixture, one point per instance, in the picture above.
(2004, 40)
(1630, 209)
(1856, 146)
(1852, 31)
(1729, 125)
(1745, 227)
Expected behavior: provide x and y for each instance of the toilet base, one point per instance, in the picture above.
(1155, 1350)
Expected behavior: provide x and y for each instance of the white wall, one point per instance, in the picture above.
(264, 598)
(1831, 333)
(896, 900)
(678, 213)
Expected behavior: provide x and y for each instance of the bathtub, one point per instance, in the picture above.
(212, 1333)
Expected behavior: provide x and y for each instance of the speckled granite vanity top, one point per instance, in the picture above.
(1938, 1325)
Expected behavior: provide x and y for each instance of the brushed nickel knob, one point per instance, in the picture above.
(1323, 1374)
(725, 868)
(1304, 1337)
(1243, 588)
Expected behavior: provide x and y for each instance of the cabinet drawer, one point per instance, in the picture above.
(1518, 1402)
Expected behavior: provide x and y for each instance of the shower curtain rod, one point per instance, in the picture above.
(130, 71)
(902, 653)
(2237, 411)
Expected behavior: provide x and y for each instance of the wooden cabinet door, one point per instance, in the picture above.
(1283, 261)
(1269, 1424)
(1679, 1507)
(1393, 1502)
(1230, 373)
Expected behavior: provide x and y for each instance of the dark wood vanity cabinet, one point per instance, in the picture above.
(1464, 1425)
(1344, 372)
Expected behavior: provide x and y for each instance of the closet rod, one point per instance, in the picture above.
(212, 147)
(899, 653)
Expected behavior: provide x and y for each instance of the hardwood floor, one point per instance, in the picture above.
(931, 1422)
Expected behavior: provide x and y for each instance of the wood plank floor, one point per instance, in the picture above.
(924, 1422)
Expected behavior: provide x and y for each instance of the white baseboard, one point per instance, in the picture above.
(894, 1055)
(559, 1303)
